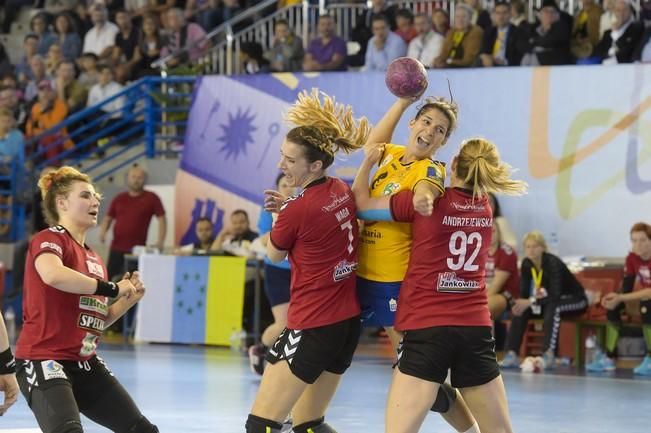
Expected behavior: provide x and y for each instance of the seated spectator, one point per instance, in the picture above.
(519, 15)
(12, 150)
(39, 73)
(10, 100)
(405, 25)
(83, 22)
(227, 11)
(253, 61)
(110, 112)
(104, 89)
(204, 13)
(67, 36)
(39, 27)
(149, 47)
(286, 54)
(69, 90)
(327, 52)
(12, 142)
(502, 276)
(5, 64)
(183, 35)
(504, 44)
(441, 22)
(89, 73)
(549, 43)
(137, 8)
(585, 34)
(101, 38)
(463, 42)
(384, 47)
(427, 44)
(636, 270)
(236, 237)
(363, 29)
(54, 57)
(203, 229)
(126, 41)
(607, 18)
(48, 112)
(480, 17)
(620, 42)
(23, 68)
(643, 51)
(548, 289)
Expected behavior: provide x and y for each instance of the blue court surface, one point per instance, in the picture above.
(196, 389)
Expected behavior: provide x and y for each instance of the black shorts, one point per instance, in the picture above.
(310, 352)
(276, 284)
(468, 351)
(57, 391)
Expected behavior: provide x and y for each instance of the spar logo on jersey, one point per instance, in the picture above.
(93, 304)
(343, 270)
(90, 323)
(51, 246)
(449, 282)
(391, 188)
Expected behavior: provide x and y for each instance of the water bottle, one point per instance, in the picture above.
(238, 341)
(590, 348)
(10, 322)
(553, 244)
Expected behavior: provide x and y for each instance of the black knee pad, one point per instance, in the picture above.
(316, 426)
(69, 427)
(143, 426)
(255, 424)
(444, 399)
(645, 312)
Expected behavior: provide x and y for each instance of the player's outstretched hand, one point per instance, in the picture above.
(273, 200)
(9, 387)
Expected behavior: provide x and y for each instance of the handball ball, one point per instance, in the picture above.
(406, 78)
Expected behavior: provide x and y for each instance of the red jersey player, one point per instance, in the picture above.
(502, 277)
(442, 306)
(318, 229)
(66, 309)
(637, 268)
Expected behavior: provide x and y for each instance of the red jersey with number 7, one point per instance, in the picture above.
(445, 282)
(60, 325)
(319, 229)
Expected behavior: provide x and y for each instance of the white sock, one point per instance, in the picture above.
(473, 429)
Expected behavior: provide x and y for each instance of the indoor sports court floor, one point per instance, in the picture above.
(185, 390)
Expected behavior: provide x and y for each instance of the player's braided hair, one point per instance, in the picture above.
(325, 127)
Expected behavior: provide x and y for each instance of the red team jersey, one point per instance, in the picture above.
(445, 284)
(60, 325)
(505, 259)
(319, 230)
(640, 269)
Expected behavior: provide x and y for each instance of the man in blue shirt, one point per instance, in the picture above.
(384, 47)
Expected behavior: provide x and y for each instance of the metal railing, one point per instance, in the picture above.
(144, 120)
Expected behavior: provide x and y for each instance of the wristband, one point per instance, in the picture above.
(7, 362)
(107, 288)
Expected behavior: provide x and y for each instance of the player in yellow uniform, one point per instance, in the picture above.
(384, 246)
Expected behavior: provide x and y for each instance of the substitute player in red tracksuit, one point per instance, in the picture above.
(318, 229)
(66, 308)
(443, 307)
